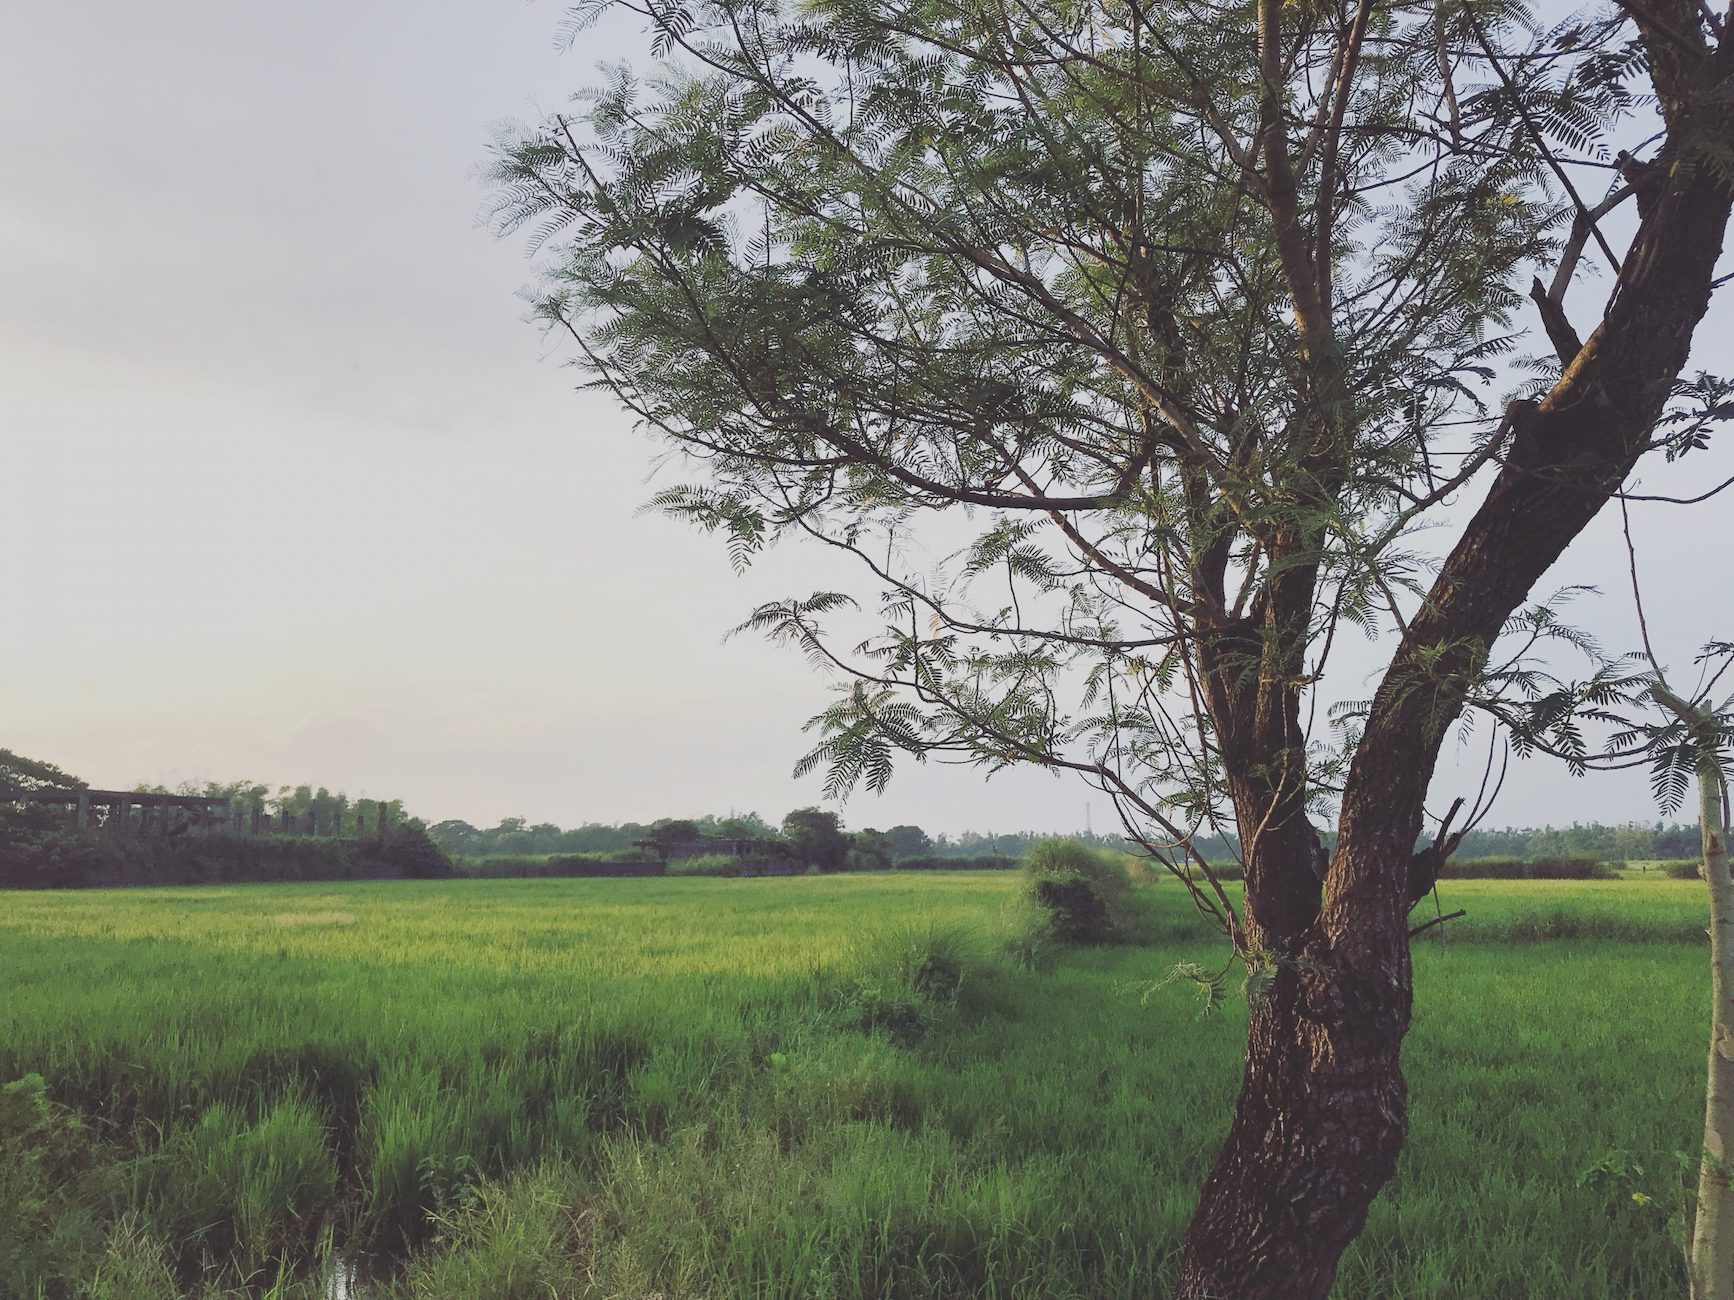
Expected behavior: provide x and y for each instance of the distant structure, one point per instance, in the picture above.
(756, 856)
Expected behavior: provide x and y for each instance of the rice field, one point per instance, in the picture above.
(791, 1088)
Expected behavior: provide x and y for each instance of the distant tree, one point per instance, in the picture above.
(1633, 842)
(455, 836)
(908, 842)
(749, 826)
(22, 822)
(668, 832)
(1678, 842)
(21, 773)
(817, 838)
(871, 850)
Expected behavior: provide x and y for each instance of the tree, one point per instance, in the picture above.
(455, 835)
(669, 832)
(1186, 318)
(817, 838)
(748, 827)
(20, 773)
(872, 849)
(908, 842)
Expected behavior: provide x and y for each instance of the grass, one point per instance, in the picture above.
(803, 1087)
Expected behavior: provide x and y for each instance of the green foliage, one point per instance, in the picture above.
(870, 850)
(20, 773)
(1038, 271)
(1684, 869)
(55, 1183)
(816, 838)
(1084, 896)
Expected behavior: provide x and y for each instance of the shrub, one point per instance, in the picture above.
(899, 979)
(1084, 897)
(1683, 869)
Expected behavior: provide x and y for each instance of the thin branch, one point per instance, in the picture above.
(1723, 486)
(1438, 920)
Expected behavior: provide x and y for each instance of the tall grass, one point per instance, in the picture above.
(811, 1087)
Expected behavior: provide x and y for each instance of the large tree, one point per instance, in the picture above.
(1128, 348)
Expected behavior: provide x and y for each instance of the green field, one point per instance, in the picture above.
(751, 1088)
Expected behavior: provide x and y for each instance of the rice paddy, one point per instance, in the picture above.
(787, 1088)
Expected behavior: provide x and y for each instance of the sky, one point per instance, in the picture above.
(291, 492)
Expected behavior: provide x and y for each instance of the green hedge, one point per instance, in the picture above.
(1531, 869)
(73, 860)
(933, 862)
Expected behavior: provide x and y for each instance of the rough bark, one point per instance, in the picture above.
(1321, 1114)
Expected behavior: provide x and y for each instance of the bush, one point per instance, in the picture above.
(1683, 869)
(1084, 898)
(901, 978)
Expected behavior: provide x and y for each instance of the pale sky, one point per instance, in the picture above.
(290, 492)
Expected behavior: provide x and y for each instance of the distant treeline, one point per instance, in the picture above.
(39, 846)
(517, 837)
(1631, 842)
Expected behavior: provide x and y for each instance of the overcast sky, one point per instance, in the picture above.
(291, 492)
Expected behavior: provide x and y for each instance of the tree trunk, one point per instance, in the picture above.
(1322, 1111)
(1321, 1114)
(1712, 1255)
(1316, 1134)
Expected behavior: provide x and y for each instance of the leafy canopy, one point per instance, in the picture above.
(1094, 330)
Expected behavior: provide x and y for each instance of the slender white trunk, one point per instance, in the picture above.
(1712, 1258)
